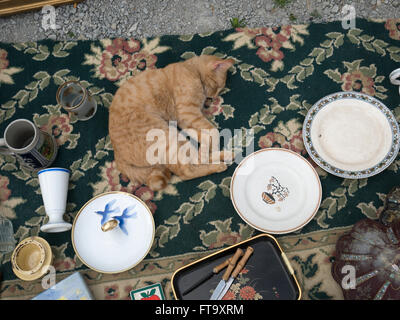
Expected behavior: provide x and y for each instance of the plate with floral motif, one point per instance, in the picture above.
(113, 232)
(351, 135)
(275, 190)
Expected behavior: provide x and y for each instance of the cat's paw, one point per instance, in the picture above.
(221, 167)
(222, 156)
(227, 156)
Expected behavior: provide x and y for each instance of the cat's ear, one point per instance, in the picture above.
(223, 65)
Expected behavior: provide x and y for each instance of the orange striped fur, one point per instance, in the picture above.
(153, 98)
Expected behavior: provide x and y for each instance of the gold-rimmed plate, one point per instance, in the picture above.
(121, 248)
(276, 190)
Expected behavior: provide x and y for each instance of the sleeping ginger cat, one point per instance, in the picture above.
(153, 98)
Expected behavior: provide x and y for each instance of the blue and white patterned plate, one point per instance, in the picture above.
(351, 135)
(120, 248)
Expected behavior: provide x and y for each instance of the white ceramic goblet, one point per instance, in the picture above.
(54, 187)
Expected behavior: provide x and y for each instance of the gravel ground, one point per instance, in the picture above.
(96, 19)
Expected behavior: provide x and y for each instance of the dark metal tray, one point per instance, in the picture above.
(267, 275)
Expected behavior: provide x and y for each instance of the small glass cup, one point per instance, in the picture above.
(7, 240)
(74, 98)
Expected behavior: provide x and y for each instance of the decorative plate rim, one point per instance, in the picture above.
(274, 231)
(379, 167)
(85, 205)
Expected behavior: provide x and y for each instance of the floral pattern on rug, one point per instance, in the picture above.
(119, 59)
(359, 78)
(278, 75)
(271, 42)
(393, 25)
(6, 72)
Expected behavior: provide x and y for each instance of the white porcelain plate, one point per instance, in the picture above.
(351, 135)
(121, 248)
(276, 190)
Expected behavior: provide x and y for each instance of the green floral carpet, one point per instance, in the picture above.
(279, 74)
